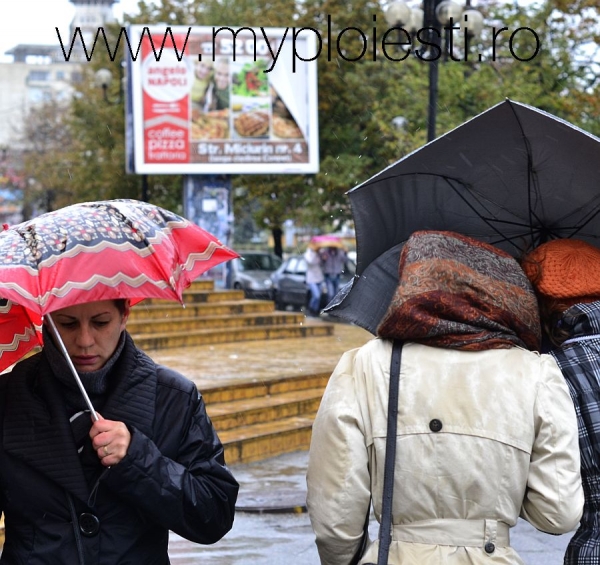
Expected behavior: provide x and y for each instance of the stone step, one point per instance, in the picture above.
(259, 410)
(260, 441)
(244, 385)
(263, 418)
(147, 311)
(192, 296)
(202, 284)
(225, 335)
(263, 388)
(236, 321)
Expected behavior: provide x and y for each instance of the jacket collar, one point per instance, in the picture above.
(133, 398)
(36, 427)
(582, 319)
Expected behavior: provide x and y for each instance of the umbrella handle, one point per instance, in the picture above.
(72, 367)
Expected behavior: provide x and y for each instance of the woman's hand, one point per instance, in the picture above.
(110, 440)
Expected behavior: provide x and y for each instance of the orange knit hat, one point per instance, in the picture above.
(566, 270)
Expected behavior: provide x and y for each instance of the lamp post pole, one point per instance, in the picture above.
(431, 22)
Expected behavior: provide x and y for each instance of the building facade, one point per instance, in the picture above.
(38, 74)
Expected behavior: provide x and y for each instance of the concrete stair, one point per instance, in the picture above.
(257, 420)
(215, 316)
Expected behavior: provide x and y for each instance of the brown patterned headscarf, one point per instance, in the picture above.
(460, 293)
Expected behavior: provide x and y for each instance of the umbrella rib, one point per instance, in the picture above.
(486, 220)
(529, 176)
(579, 228)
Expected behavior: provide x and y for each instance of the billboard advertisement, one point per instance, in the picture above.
(222, 100)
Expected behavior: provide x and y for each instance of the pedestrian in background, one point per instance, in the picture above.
(334, 260)
(486, 429)
(566, 276)
(107, 492)
(314, 278)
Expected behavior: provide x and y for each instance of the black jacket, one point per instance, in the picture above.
(172, 478)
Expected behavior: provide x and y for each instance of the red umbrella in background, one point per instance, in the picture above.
(323, 241)
(98, 251)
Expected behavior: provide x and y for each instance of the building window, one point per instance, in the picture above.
(40, 76)
(36, 95)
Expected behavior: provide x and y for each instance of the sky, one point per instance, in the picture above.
(33, 21)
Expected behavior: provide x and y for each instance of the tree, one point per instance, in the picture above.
(46, 133)
(77, 148)
(372, 105)
(353, 143)
(362, 99)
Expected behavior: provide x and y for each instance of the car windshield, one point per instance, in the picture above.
(260, 262)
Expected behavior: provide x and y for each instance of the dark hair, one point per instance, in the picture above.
(121, 304)
(551, 311)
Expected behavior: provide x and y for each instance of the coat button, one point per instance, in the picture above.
(489, 547)
(435, 425)
(89, 524)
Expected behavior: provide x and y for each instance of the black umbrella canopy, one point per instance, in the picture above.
(365, 299)
(513, 176)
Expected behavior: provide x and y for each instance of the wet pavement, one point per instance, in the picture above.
(229, 363)
(271, 528)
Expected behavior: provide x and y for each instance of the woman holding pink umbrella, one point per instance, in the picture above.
(74, 490)
(79, 486)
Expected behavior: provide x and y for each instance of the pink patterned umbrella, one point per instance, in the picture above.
(20, 332)
(96, 251)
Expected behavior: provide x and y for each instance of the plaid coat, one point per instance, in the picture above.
(579, 360)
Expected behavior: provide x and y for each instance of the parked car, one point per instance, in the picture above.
(251, 273)
(289, 283)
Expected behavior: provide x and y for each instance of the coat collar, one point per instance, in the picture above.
(582, 319)
(133, 398)
(36, 427)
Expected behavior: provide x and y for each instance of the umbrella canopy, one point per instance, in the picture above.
(20, 332)
(103, 250)
(513, 176)
(324, 241)
(94, 251)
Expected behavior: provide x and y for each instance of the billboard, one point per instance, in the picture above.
(222, 100)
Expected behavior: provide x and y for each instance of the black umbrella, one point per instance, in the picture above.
(513, 176)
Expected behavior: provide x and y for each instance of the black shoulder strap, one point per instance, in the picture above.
(385, 529)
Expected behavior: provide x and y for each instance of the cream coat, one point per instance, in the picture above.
(507, 448)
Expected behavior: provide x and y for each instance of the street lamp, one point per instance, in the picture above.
(103, 79)
(426, 24)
